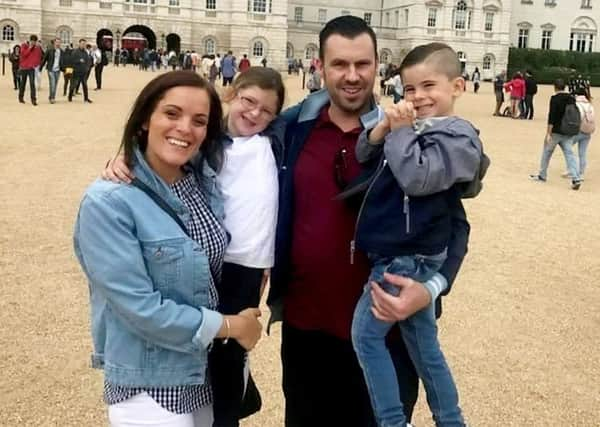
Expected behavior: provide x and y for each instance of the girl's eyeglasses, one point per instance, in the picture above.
(252, 104)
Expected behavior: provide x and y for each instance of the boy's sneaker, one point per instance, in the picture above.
(537, 178)
(575, 184)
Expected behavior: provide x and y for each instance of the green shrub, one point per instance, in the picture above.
(549, 65)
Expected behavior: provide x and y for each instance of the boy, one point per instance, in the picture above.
(430, 157)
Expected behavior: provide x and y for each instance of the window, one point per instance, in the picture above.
(211, 4)
(65, 3)
(487, 62)
(289, 51)
(173, 2)
(550, 2)
(367, 18)
(586, 4)
(432, 17)
(489, 21)
(462, 57)
(65, 35)
(397, 18)
(310, 52)
(546, 39)
(8, 33)
(298, 11)
(209, 47)
(257, 49)
(322, 16)
(387, 19)
(259, 6)
(406, 17)
(460, 16)
(523, 38)
(581, 42)
(385, 57)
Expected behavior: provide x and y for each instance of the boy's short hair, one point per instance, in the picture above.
(443, 56)
(559, 84)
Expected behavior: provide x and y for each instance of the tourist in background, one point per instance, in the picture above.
(14, 58)
(82, 64)
(499, 92)
(530, 91)
(55, 63)
(476, 77)
(30, 58)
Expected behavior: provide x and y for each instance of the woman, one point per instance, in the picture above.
(152, 268)
(588, 126)
(476, 79)
(516, 88)
(14, 57)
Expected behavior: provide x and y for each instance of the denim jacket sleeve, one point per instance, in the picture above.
(112, 258)
(448, 153)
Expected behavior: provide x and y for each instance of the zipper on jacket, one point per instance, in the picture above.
(407, 212)
(362, 205)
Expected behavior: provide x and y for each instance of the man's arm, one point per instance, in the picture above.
(415, 295)
(435, 160)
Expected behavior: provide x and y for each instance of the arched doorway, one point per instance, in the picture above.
(104, 39)
(173, 43)
(141, 31)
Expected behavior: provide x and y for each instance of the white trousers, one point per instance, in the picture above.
(142, 410)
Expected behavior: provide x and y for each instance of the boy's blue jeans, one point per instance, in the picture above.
(420, 336)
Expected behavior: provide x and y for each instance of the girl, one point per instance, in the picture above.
(253, 142)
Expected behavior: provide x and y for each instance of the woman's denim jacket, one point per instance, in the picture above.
(148, 283)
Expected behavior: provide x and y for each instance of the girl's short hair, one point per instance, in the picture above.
(145, 104)
(263, 77)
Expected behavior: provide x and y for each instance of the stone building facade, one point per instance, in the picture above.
(480, 30)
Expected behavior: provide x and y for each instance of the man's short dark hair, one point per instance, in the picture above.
(347, 26)
(444, 57)
(33, 38)
(559, 84)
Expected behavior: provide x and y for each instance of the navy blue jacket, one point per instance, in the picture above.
(300, 121)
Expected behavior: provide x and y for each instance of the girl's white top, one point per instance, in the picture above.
(249, 183)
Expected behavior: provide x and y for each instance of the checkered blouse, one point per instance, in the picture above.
(206, 230)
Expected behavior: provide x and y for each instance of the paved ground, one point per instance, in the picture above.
(520, 329)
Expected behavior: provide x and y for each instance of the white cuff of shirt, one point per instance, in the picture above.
(436, 285)
(211, 323)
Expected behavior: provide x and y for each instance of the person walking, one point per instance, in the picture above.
(558, 134)
(228, 68)
(530, 91)
(82, 64)
(30, 58)
(588, 127)
(244, 63)
(68, 69)
(499, 92)
(54, 62)
(516, 88)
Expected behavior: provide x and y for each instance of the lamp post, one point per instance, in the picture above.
(162, 41)
(118, 34)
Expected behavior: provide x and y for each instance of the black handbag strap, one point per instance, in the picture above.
(160, 202)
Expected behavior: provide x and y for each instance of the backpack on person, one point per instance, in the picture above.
(570, 123)
(588, 120)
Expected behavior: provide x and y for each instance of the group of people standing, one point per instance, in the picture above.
(29, 59)
(521, 89)
(178, 259)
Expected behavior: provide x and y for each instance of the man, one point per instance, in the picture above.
(54, 61)
(228, 68)
(244, 63)
(314, 285)
(82, 63)
(556, 135)
(99, 59)
(499, 92)
(31, 57)
(530, 91)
